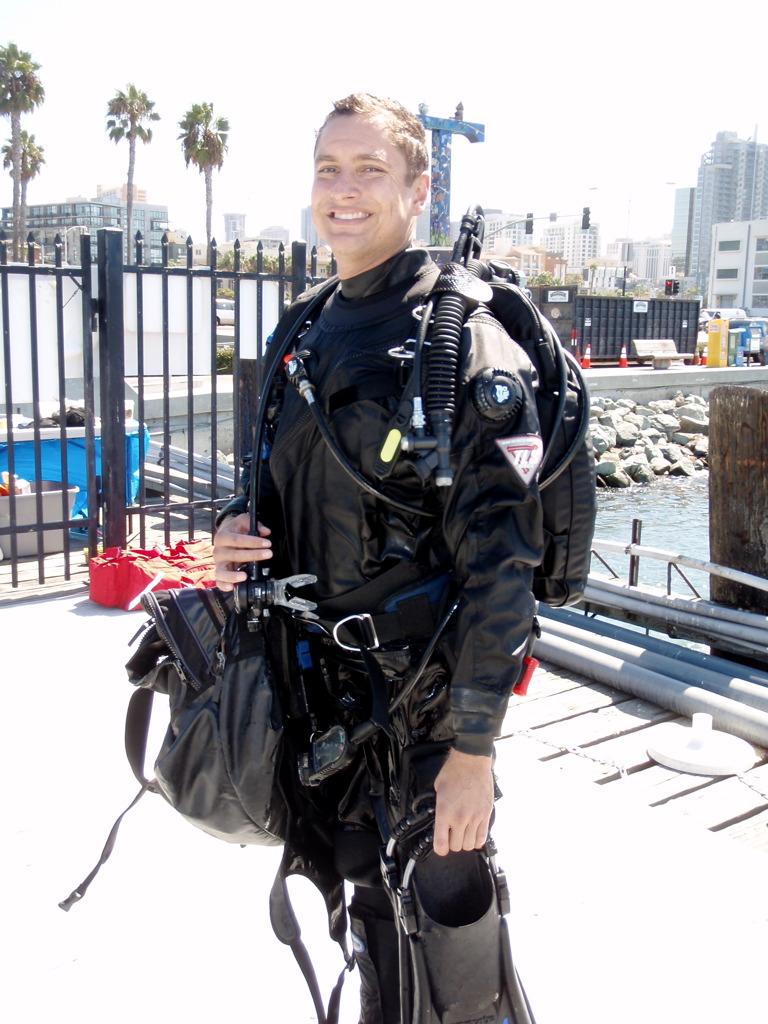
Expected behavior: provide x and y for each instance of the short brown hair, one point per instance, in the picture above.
(404, 129)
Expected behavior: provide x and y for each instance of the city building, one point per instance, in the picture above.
(234, 226)
(150, 219)
(503, 231)
(578, 245)
(275, 232)
(308, 232)
(177, 247)
(682, 230)
(732, 185)
(75, 217)
(421, 232)
(531, 260)
(620, 252)
(249, 246)
(651, 259)
(604, 275)
(739, 266)
(119, 194)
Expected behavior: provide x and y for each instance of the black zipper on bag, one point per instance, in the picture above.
(166, 635)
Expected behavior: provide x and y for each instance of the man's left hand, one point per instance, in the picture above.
(464, 791)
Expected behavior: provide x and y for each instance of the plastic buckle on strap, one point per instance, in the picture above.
(407, 911)
(365, 618)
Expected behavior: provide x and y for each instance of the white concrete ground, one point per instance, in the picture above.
(620, 915)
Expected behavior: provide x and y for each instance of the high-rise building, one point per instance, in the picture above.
(234, 226)
(732, 186)
(651, 259)
(308, 232)
(578, 245)
(682, 230)
(620, 251)
(503, 231)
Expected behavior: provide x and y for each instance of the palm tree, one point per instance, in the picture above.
(204, 142)
(126, 112)
(20, 92)
(32, 160)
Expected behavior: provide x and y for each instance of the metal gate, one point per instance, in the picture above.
(47, 440)
(145, 477)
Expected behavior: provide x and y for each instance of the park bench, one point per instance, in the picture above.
(662, 351)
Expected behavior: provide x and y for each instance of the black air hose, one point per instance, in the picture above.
(359, 479)
(450, 313)
(479, 269)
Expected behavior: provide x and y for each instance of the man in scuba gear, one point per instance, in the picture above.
(394, 560)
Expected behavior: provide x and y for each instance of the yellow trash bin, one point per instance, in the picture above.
(717, 343)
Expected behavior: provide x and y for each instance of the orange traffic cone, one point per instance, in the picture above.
(703, 359)
(586, 359)
(623, 361)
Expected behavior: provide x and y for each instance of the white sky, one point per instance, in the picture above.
(600, 104)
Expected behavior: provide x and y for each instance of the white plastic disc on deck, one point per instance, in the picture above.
(700, 749)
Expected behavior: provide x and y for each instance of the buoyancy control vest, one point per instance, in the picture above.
(423, 424)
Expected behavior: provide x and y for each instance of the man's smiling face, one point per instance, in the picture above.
(363, 201)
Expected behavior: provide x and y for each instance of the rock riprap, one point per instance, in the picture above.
(635, 443)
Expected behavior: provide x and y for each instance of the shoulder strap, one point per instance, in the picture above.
(285, 925)
(284, 334)
(136, 729)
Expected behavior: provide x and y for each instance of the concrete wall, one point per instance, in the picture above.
(178, 412)
(645, 385)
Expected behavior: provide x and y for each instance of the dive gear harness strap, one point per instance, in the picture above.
(286, 928)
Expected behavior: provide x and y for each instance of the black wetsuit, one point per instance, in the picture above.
(480, 544)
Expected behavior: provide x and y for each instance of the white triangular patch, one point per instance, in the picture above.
(524, 454)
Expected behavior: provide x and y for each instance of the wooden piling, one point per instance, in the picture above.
(738, 491)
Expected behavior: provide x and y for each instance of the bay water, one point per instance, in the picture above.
(675, 517)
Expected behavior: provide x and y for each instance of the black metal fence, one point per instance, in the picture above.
(34, 447)
(155, 475)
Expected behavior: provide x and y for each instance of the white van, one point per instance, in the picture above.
(713, 313)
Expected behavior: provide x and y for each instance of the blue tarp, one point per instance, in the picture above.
(50, 457)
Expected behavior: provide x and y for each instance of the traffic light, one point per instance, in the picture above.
(529, 223)
(675, 287)
(585, 219)
(669, 286)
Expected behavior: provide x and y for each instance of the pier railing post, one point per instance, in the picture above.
(112, 391)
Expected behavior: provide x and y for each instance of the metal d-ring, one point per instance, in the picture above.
(365, 618)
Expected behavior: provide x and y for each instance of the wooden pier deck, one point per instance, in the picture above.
(584, 730)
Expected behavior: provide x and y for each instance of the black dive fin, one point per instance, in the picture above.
(462, 970)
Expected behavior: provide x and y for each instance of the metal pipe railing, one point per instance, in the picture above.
(675, 558)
